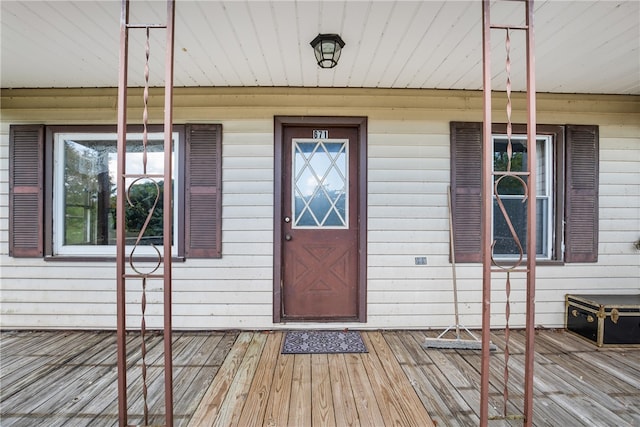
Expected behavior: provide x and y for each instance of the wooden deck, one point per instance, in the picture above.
(240, 378)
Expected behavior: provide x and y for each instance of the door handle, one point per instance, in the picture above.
(287, 237)
(287, 219)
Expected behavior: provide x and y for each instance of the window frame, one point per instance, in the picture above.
(295, 216)
(178, 251)
(559, 170)
(58, 200)
(557, 135)
(551, 215)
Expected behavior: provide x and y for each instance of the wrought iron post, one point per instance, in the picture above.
(125, 182)
(120, 232)
(486, 194)
(168, 212)
(531, 242)
(491, 180)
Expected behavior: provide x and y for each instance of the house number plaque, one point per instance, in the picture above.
(320, 134)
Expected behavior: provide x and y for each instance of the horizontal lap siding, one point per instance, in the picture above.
(408, 179)
(620, 198)
(408, 176)
(618, 267)
(237, 287)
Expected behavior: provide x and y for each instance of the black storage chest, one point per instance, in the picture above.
(604, 319)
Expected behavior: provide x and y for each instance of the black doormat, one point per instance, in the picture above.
(317, 342)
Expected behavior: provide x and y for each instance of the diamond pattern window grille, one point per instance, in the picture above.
(320, 191)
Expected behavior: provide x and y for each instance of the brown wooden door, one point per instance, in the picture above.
(320, 223)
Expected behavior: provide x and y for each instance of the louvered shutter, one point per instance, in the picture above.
(203, 196)
(26, 191)
(466, 187)
(581, 214)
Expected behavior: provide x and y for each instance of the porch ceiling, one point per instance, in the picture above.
(581, 46)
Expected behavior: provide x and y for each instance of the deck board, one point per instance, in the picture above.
(434, 402)
(300, 400)
(236, 393)
(322, 412)
(369, 413)
(253, 412)
(344, 404)
(409, 403)
(459, 409)
(241, 379)
(192, 379)
(214, 398)
(383, 392)
(277, 412)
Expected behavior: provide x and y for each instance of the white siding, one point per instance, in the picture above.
(408, 175)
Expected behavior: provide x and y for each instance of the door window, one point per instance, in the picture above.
(320, 192)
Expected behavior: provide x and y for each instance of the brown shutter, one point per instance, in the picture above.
(26, 190)
(581, 214)
(466, 186)
(203, 195)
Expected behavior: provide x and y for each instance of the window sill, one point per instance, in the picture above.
(98, 258)
(539, 262)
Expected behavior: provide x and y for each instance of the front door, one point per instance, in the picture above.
(320, 223)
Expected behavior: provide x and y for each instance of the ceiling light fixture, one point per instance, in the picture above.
(327, 48)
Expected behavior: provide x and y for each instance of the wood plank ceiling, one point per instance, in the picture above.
(581, 46)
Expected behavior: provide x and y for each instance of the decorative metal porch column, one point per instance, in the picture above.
(136, 273)
(491, 180)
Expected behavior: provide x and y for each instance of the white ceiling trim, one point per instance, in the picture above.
(581, 46)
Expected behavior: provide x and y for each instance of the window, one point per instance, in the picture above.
(512, 196)
(62, 190)
(320, 191)
(567, 192)
(85, 189)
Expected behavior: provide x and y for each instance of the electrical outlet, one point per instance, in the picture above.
(421, 260)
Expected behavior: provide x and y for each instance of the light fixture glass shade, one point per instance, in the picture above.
(327, 48)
